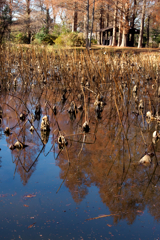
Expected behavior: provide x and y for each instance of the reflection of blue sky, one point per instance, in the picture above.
(57, 215)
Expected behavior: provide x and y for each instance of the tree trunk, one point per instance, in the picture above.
(142, 25)
(133, 19)
(114, 25)
(75, 18)
(125, 26)
(54, 16)
(10, 14)
(10, 10)
(107, 16)
(86, 24)
(28, 10)
(92, 23)
(101, 25)
(148, 20)
(47, 20)
(107, 22)
(120, 26)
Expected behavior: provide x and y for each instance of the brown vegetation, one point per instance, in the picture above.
(34, 81)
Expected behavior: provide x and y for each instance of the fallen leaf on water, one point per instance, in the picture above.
(68, 204)
(14, 194)
(26, 205)
(111, 234)
(31, 217)
(109, 225)
(101, 216)
(139, 211)
(3, 195)
(30, 226)
(29, 196)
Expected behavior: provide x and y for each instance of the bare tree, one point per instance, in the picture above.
(114, 24)
(148, 21)
(28, 12)
(92, 23)
(133, 20)
(5, 19)
(86, 23)
(120, 24)
(125, 24)
(142, 25)
(75, 18)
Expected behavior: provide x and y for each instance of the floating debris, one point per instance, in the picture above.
(135, 89)
(19, 145)
(22, 116)
(29, 196)
(98, 105)
(38, 110)
(45, 125)
(85, 127)
(7, 131)
(80, 107)
(146, 160)
(87, 84)
(32, 225)
(45, 136)
(11, 147)
(62, 142)
(72, 108)
(63, 98)
(141, 105)
(55, 110)
(31, 129)
(148, 115)
(155, 137)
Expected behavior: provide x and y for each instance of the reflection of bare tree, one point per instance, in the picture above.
(118, 136)
(25, 162)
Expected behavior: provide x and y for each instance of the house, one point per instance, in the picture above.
(106, 35)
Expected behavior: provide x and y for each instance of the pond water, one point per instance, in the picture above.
(95, 197)
(91, 188)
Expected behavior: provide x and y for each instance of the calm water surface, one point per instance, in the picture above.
(94, 185)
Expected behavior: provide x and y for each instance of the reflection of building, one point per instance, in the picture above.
(107, 36)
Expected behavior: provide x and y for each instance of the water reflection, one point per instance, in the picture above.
(106, 155)
(124, 186)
